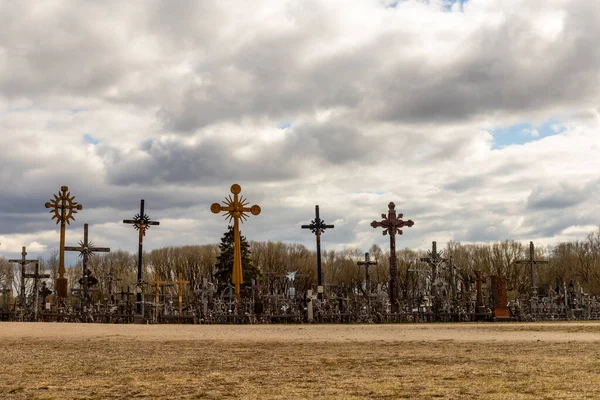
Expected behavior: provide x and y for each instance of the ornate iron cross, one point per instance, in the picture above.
(141, 222)
(235, 209)
(64, 208)
(532, 262)
(23, 263)
(434, 259)
(318, 226)
(86, 249)
(367, 263)
(392, 224)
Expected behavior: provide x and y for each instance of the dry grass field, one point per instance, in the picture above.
(424, 361)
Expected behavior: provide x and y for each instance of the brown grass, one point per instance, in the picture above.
(433, 361)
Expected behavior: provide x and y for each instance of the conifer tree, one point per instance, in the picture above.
(224, 265)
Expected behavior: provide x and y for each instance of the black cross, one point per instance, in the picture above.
(532, 262)
(141, 222)
(23, 262)
(36, 277)
(392, 224)
(434, 259)
(318, 226)
(367, 263)
(86, 249)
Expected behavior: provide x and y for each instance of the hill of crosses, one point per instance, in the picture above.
(240, 281)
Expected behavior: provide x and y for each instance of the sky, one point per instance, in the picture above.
(479, 119)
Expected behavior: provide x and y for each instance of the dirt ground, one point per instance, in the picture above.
(424, 361)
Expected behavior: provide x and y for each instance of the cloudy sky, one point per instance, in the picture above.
(480, 119)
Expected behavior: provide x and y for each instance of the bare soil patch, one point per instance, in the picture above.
(425, 361)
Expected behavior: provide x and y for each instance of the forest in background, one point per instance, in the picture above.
(576, 260)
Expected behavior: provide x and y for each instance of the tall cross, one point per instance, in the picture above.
(434, 259)
(23, 263)
(86, 249)
(318, 226)
(235, 208)
(180, 282)
(392, 224)
(532, 262)
(36, 277)
(141, 222)
(64, 209)
(367, 263)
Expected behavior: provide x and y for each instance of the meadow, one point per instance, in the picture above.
(418, 361)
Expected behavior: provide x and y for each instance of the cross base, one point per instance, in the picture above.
(61, 287)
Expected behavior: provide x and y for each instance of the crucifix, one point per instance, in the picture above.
(180, 282)
(532, 262)
(141, 222)
(86, 249)
(36, 277)
(367, 263)
(392, 224)
(434, 259)
(23, 263)
(235, 208)
(318, 226)
(64, 209)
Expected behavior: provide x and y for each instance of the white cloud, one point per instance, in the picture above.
(385, 104)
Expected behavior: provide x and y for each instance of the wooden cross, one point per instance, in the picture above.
(141, 222)
(64, 209)
(479, 279)
(157, 284)
(235, 208)
(434, 259)
(23, 263)
(367, 263)
(532, 262)
(318, 226)
(392, 224)
(36, 277)
(126, 294)
(86, 249)
(180, 282)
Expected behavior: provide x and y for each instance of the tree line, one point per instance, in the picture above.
(269, 263)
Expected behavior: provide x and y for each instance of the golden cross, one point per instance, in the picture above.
(235, 208)
(64, 209)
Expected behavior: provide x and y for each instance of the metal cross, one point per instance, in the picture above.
(392, 224)
(23, 262)
(141, 222)
(532, 262)
(434, 259)
(367, 263)
(86, 249)
(235, 209)
(36, 277)
(318, 226)
(64, 207)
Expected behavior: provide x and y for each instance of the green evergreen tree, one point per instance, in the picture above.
(224, 265)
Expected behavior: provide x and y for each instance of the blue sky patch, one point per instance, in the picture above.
(285, 125)
(90, 139)
(447, 4)
(524, 133)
